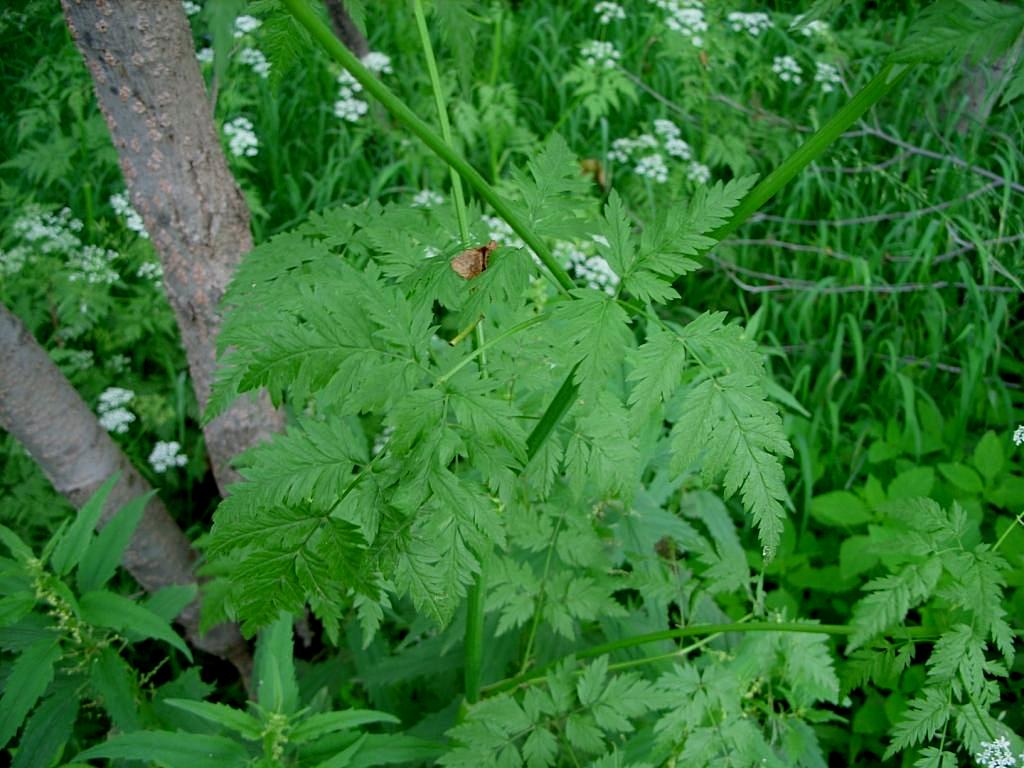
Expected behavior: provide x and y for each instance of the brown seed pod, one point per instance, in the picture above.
(472, 262)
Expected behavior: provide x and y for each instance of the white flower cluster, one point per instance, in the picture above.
(500, 232)
(190, 8)
(997, 754)
(349, 106)
(670, 135)
(114, 417)
(599, 54)
(378, 63)
(254, 58)
(685, 17)
(827, 76)
(204, 55)
(698, 173)
(245, 25)
(593, 270)
(652, 167)
(622, 149)
(166, 455)
(44, 233)
(132, 219)
(427, 198)
(815, 28)
(150, 270)
(787, 69)
(1018, 435)
(92, 264)
(751, 23)
(242, 140)
(49, 233)
(608, 12)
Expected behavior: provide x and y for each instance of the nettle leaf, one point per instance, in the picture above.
(728, 427)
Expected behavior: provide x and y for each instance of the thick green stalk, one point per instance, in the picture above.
(697, 630)
(473, 640)
(307, 17)
(442, 116)
(811, 149)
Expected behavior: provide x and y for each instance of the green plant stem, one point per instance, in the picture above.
(538, 675)
(553, 414)
(442, 117)
(473, 642)
(889, 76)
(306, 16)
(482, 347)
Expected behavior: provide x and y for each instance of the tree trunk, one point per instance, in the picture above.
(346, 29)
(47, 416)
(142, 60)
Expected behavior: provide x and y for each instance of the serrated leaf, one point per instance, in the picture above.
(105, 609)
(196, 750)
(29, 677)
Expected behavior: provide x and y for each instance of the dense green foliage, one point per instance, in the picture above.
(680, 482)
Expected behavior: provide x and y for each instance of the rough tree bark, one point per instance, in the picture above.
(40, 408)
(346, 29)
(142, 60)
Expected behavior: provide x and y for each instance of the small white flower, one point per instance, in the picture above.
(685, 17)
(816, 28)
(246, 24)
(190, 8)
(351, 109)
(751, 23)
(166, 455)
(608, 12)
(787, 69)
(666, 129)
(698, 173)
(92, 264)
(678, 148)
(13, 260)
(132, 219)
(150, 270)
(621, 150)
(599, 54)
(204, 55)
(996, 754)
(378, 62)
(652, 167)
(1018, 435)
(500, 232)
(827, 75)
(114, 397)
(427, 198)
(592, 270)
(117, 420)
(255, 59)
(242, 140)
